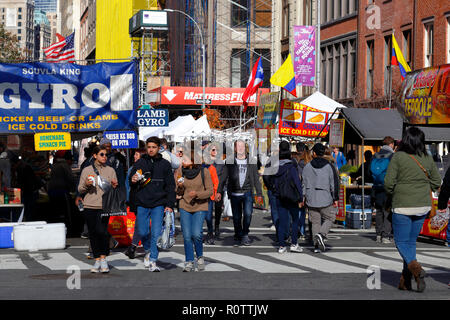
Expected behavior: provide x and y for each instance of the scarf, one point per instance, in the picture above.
(191, 173)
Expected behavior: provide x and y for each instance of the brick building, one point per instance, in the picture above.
(421, 29)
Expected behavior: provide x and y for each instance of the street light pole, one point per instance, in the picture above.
(203, 52)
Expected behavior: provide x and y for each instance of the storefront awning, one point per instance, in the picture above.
(436, 134)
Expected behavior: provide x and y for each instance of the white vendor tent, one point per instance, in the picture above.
(320, 101)
(178, 129)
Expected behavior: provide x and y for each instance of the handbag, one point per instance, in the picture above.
(433, 208)
(439, 219)
(114, 202)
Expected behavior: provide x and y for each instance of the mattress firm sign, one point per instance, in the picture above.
(149, 117)
(36, 97)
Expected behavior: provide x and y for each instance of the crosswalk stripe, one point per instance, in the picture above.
(421, 259)
(121, 262)
(11, 262)
(443, 254)
(315, 263)
(59, 261)
(178, 260)
(255, 264)
(366, 260)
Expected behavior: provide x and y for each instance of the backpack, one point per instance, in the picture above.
(378, 167)
(286, 189)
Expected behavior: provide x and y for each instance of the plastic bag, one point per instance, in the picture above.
(439, 220)
(104, 184)
(114, 202)
(166, 240)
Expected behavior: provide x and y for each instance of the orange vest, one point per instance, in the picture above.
(215, 180)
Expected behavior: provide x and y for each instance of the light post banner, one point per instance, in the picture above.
(42, 97)
(305, 55)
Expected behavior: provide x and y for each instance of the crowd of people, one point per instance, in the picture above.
(203, 188)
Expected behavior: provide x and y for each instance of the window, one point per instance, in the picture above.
(19, 24)
(285, 20)
(406, 47)
(369, 68)
(238, 13)
(429, 31)
(19, 31)
(238, 68)
(20, 9)
(20, 17)
(263, 13)
(19, 38)
(387, 63)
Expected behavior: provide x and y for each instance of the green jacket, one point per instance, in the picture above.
(408, 184)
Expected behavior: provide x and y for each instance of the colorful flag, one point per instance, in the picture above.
(254, 82)
(398, 59)
(285, 77)
(62, 50)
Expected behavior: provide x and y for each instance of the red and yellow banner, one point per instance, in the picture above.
(426, 96)
(297, 119)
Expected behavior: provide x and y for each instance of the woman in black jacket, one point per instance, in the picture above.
(444, 195)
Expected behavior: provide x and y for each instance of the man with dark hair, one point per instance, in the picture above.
(155, 195)
(378, 168)
(321, 186)
(242, 177)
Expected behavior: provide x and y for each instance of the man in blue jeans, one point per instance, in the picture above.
(155, 195)
(242, 178)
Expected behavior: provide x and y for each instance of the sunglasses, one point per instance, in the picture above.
(180, 151)
(213, 150)
(102, 154)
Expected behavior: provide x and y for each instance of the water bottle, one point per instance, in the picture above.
(80, 205)
(6, 198)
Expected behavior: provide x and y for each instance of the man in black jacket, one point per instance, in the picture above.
(444, 195)
(155, 195)
(242, 178)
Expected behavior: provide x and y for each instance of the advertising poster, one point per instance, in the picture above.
(52, 141)
(296, 119)
(268, 110)
(122, 139)
(426, 96)
(337, 133)
(43, 97)
(305, 55)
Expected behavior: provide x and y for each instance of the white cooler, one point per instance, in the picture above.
(6, 232)
(40, 237)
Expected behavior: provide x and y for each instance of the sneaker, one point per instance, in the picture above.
(217, 232)
(246, 241)
(113, 243)
(147, 260)
(90, 255)
(188, 266)
(96, 267)
(272, 228)
(200, 264)
(153, 267)
(319, 239)
(210, 238)
(131, 252)
(237, 241)
(84, 236)
(104, 268)
(296, 248)
(316, 249)
(378, 239)
(282, 249)
(386, 241)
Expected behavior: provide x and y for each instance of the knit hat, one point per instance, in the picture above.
(319, 149)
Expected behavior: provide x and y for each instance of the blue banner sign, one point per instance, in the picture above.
(40, 97)
(146, 116)
(122, 139)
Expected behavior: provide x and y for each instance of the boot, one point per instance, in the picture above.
(419, 275)
(405, 281)
(131, 251)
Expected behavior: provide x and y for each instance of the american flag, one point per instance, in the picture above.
(62, 50)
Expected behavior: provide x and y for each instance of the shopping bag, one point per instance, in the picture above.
(114, 202)
(166, 240)
(440, 219)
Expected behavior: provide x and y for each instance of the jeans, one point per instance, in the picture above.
(273, 209)
(284, 210)
(192, 227)
(149, 237)
(406, 230)
(302, 221)
(242, 206)
(209, 216)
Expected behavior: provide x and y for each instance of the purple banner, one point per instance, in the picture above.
(305, 55)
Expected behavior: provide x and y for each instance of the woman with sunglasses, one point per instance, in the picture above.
(97, 225)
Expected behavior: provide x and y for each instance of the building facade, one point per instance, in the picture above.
(87, 30)
(69, 13)
(18, 18)
(42, 34)
(422, 31)
(46, 5)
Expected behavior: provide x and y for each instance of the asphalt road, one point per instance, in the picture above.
(354, 268)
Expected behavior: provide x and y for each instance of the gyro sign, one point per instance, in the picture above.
(67, 97)
(146, 116)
